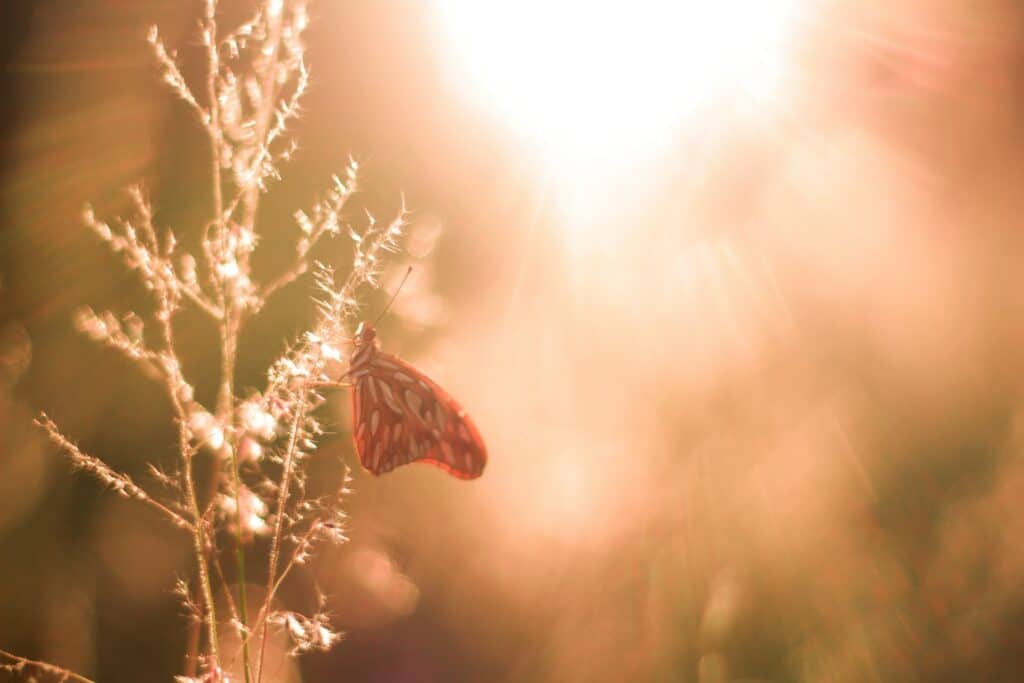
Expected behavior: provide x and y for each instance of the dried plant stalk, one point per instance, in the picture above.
(250, 94)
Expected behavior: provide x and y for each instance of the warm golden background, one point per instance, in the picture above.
(733, 291)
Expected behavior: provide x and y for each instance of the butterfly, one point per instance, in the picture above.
(399, 415)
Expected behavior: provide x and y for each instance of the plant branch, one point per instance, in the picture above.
(22, 662)
(120, 483)
(282, 502)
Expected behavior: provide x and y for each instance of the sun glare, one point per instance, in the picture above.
(585, 82)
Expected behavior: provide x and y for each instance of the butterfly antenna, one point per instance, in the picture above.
(394, 296)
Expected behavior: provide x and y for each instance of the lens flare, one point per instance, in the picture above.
(602, 81)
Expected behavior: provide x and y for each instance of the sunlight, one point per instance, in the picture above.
(610, 82)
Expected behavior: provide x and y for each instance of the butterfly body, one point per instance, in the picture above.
(399, 415)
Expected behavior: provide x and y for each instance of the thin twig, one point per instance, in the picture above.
(64, 674)
(324, 221)
(208, 307)
(282, 502)
(232, 607)
(121, 483)
(264, 612)
(175, 382)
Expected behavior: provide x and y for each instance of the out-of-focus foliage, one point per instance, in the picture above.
(757, 418)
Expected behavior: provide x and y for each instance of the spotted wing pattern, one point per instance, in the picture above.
(399, 415)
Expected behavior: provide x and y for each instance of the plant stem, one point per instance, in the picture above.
(231, 317)
(268, 92)
(282, 502)
(243, 608)
(213, 128)
(61, 673)
(199, 546)
(267, 67)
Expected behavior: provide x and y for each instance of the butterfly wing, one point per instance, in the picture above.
(400, 416)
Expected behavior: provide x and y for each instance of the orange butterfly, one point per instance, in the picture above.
(399, 415)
